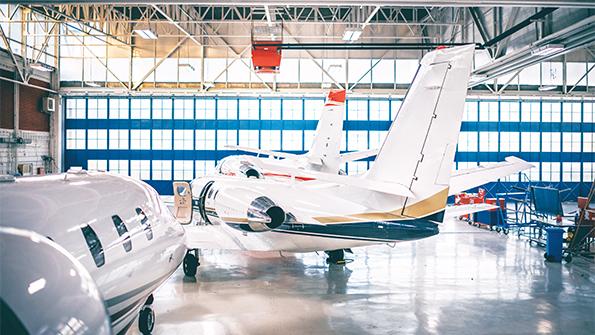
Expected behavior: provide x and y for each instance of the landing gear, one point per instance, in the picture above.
(335, 256)
(146, 317)
(191, 262)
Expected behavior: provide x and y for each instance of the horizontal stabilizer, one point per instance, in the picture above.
(463, 180)
(355, 155)
(366, 184)
(272, 153)
(460, 210)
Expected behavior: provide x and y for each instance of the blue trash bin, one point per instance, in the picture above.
(553, 246)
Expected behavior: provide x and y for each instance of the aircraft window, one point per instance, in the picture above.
(122, 231)
(144, 221)
(94, 245)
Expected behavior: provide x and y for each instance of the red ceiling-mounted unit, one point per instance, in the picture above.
(265, 57)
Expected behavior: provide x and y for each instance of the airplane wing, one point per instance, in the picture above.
(456, 211)
(355, 155)
(469, 178)
(367, 184)
(261, 151)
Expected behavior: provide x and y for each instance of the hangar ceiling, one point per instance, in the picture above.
(513, 36)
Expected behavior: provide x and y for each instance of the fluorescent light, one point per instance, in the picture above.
(352, 34)
(92, 84)
(147, 34)
(36, 286)
(547, 50)
(41, 67)
(186, 65)
(547, 88)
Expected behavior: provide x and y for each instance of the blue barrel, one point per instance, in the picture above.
(553, 246)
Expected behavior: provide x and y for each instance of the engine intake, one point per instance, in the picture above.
(263, 215)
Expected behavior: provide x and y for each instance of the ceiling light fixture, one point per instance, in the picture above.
(547, 49)
(147, 34)
(352, 34)
(92, 84)
(547, 88)
(41, 67)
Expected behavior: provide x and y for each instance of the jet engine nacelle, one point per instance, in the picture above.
(240, 166)
(247, 210)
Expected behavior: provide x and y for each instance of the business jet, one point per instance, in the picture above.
(89, 236)
(324, 155)
(402, 197)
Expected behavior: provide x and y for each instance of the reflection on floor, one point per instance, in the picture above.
(463, 281)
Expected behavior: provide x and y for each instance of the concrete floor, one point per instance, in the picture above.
(464, 281)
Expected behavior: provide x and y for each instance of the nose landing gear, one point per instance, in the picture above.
(191, 262)
(146, 317)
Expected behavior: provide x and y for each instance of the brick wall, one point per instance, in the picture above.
(6, 101)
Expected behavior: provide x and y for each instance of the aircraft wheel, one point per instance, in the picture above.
(190, 264)
(146, 320)
(505, 231)
(568, 258)
(498, 229)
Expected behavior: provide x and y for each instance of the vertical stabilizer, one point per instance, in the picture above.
(419, 149)
(325, 151)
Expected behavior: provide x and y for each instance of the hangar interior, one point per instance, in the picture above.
(157, 92)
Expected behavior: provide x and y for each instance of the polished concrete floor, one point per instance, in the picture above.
(463, 281)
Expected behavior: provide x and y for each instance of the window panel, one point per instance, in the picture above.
(270, 139)
(75, 139)
(97, 139)
(183, 170)
(405, 70)
(510, 111)
(530, 111)
(161, 170)
(488, 111)
(97, 109)
(119, 166)
(75, 108)
(588, 142)
(162, 109)
(550, 142)
(571, 171)
(509, 141)
(357, 109)
(140, 109)
(292, 109)
(312, 109)
(140, 169)
(183, 139)
(467, 141)
(571, 112)
(379, 110)
(395, 106)
(551, 111)
(249, 109)
(184, 109)
(471, 111)
(309, 138)
(140, 139)
(532, 173)
(205, 109)
(204, 167)
(205, 139)
(270, 109)
(384, 71)
(226, 137)
(588, 114)
(357, 140)
(488, 141)
(292, 140)
(357, 70)
(118, 139)
(588, 172)
(97, 164)
(571, 142)
(248, 138)
(118, 109)
(227, 109)
(550, 171)
(376, 138)
(530, 142)
(161, 139)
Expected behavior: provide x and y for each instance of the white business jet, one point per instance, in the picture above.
(401, 198)
(324, 154)
(71, 240)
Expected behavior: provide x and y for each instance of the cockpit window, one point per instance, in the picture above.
(94, 245)
(122, 231)
(144, 221)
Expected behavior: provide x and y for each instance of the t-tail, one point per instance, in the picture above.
(324, 154)
(420, 147)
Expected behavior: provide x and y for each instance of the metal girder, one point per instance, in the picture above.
(581, 78)
(14, 59)
(420, 3)
(477, 17)
(526, 22)
(503, 45)
(174, 49)
(172, 21)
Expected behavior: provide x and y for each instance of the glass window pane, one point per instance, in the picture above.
(75, 108)
(292, 109)
(379, 110)
(226, 137)
(97, 109)
(183, 139)
(140, 108)
(119, 166)
(205, 139)
(227, 109)
(357, 140)
(248, 138)
(97, 139)
(183, 170)
(118, 108)
(249, 109)
(357, 109)
(184, 109)
(97, 164)
(162, 139)
(162, 108)
(118, 139)
(530, 142)
(140, 139)
(270, 139)
(292, 140)
(270, 109)
(205, 109)
(140, 169)
(161, 170)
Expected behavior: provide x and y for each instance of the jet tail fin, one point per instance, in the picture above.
(420, 146)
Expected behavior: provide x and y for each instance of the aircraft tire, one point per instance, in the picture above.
(190, 265)
(146, 320)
